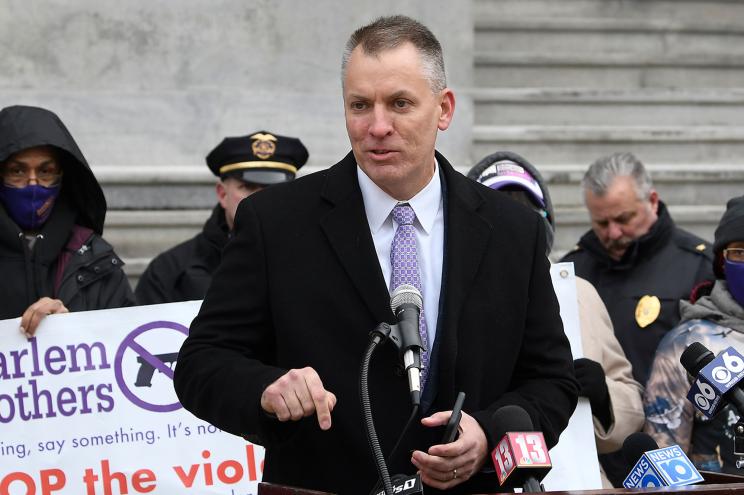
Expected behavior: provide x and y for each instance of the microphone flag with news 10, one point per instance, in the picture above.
(714, 380)
(663, 467)
(520, 450)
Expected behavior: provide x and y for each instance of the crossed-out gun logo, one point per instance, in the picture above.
(146, 350)
(147, 368)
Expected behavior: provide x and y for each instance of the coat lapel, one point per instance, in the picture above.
(466, 239)
(349, 236)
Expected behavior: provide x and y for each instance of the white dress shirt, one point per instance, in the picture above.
(429, 226)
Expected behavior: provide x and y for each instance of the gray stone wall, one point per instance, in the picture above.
(153, 85)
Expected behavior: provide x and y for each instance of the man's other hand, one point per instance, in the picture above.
(446, 465)
(37, 311)
(298, 394)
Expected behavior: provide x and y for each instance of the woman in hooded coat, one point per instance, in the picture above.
(52, 209)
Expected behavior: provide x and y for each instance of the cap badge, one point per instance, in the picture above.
(264, 145)
(647, 310)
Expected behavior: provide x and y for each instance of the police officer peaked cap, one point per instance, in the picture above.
(261, 158)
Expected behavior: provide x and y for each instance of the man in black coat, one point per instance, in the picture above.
(640, 262)
(244, 165)
(52, 256)
(275, 351)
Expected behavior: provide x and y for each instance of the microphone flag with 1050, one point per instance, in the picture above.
(405, 485)
(406, 303)
(657, 467)
(716, 378)
(520, 457)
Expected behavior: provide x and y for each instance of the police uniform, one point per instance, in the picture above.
(184, 272)
(643, 289)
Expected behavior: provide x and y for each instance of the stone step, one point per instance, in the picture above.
(605, 71)
(670, 10)
(163, 127)
(162, 187)
(681, 185)
(145, 233)
(134, 268)
(607, 36)
(508, 106)
(571, 223)
(572, 145)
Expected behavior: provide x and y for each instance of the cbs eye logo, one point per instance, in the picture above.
(722, 373)
(732, 364)
(704, 398)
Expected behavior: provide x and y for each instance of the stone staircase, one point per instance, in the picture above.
(563, 83)
(152, 208)
(560, 82)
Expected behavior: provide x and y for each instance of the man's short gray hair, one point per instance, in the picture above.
(387, 33)
(603, 171)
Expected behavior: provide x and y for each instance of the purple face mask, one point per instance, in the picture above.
(735, 280)
(29, 206)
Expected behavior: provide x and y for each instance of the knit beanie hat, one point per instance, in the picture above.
(730, 229)
(504, 169)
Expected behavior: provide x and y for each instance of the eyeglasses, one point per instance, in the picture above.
(735, 255)
(20, 177)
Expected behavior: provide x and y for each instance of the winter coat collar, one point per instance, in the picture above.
(719, 307)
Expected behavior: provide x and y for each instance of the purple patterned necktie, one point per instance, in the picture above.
(405, 269)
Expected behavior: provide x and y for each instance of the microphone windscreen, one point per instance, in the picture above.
(405, 294)
(695, 358)
(509, 418)
(635, 445)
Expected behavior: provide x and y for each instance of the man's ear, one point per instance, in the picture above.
(221, 193)
(448, 109)
(653, 198)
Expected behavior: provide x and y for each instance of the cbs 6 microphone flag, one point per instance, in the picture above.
(715, 378)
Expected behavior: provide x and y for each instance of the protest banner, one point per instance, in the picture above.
(576, 447)
(88, 407)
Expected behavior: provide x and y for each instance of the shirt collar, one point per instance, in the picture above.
(378, 204)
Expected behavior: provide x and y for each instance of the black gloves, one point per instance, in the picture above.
(592, 385)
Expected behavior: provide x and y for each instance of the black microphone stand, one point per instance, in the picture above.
(382, 332)
(532, 486)
(379, 335)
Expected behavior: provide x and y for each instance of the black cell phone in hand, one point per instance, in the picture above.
(450, 431)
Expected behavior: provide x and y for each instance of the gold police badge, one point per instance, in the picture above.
(647, 310)
(264, 145)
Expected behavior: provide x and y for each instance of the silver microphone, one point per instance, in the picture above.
(406, 303)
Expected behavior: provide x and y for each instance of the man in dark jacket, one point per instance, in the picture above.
(52, 210)
(244, 166)
(275, 351)
(641, 264)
